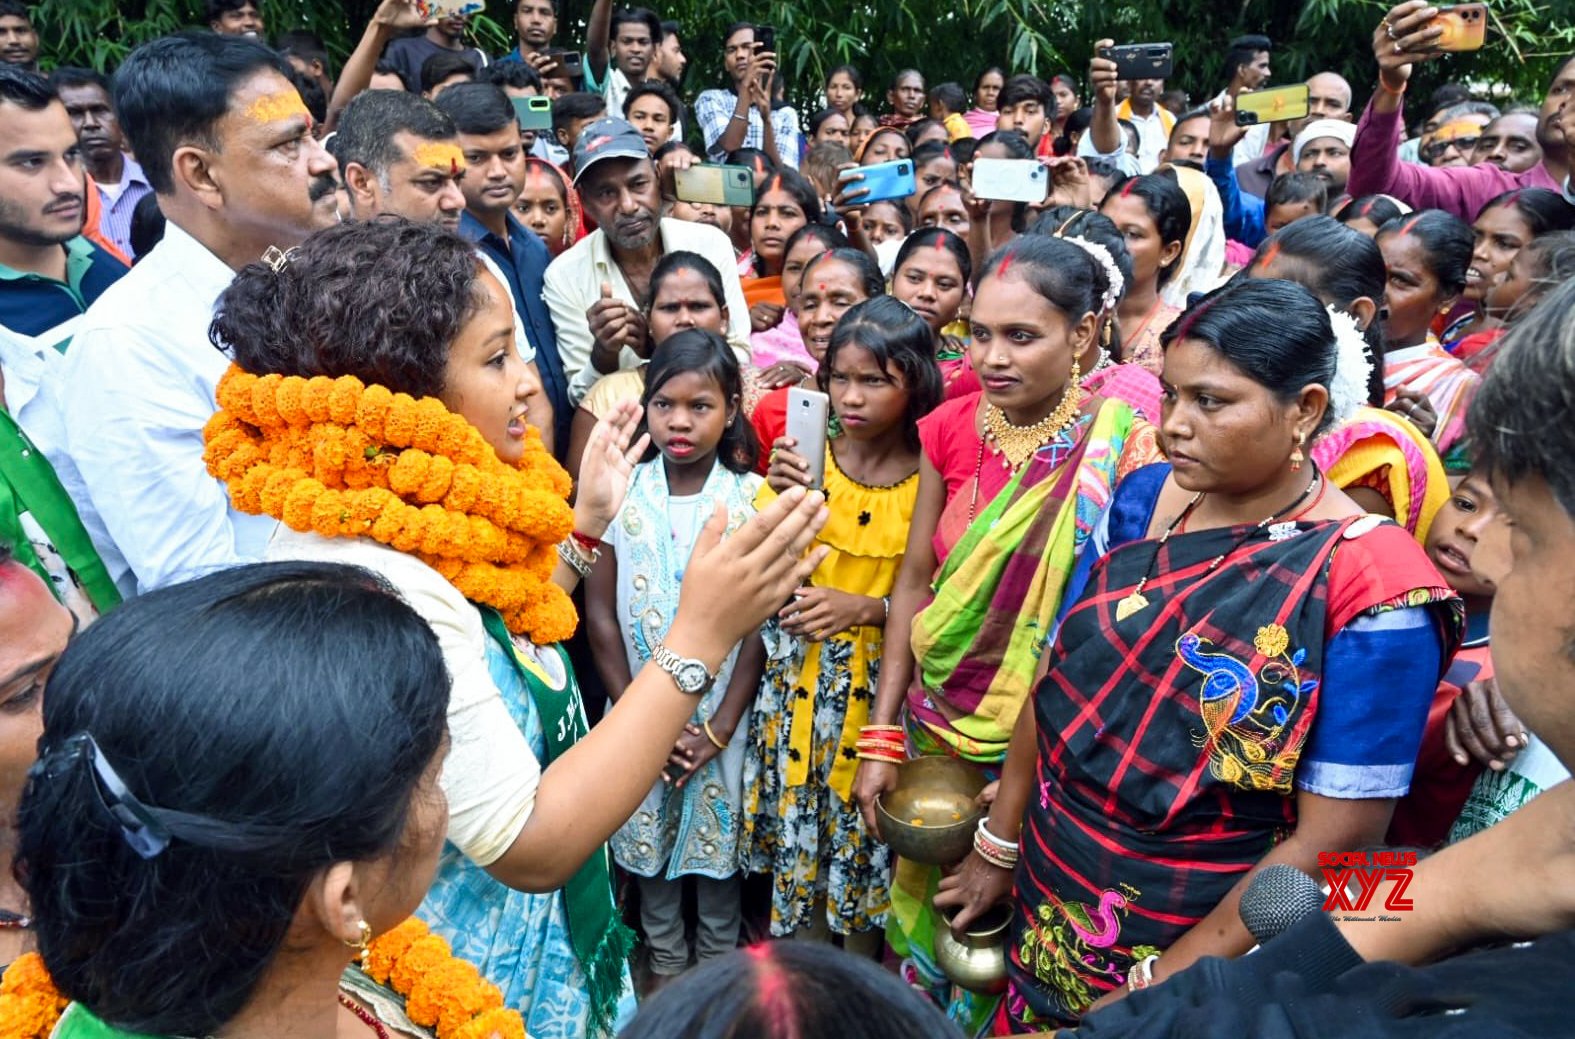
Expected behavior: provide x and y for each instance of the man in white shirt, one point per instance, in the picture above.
(599, 290)
(620, 51)
(226, 142)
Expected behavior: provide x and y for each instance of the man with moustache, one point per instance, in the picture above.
(18, 38)
(493, 152)
(49, 273)
(399, 155)
(117, 177)
(1405, 37)
(227, 145)
(599, 288)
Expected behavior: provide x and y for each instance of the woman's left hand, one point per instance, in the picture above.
(605, 469)
(818, 613)
(1115, 995)
(783, 373)
(690, 754)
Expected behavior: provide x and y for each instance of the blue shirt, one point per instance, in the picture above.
(34, 305)
(1245, 214)
(523, 260)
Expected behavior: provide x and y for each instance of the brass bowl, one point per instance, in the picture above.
(977, 961)
(931, 815)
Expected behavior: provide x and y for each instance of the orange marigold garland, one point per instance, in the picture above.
(441, 992)
(343, 459)
(29, 1002)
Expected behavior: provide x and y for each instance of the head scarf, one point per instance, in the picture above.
(1203, 257)
(574, 227)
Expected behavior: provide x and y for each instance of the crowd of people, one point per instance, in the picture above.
(1174, 505)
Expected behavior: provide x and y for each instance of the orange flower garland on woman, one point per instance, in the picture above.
(29, 1002)
(343, 459)
(442, 992)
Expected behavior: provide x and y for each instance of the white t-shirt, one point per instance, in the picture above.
(491, 774)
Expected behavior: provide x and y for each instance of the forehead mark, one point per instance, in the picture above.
(439, 155)
(276, 107)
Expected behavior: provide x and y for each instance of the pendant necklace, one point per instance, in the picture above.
(1137, 602)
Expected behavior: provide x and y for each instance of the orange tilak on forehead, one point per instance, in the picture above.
(439, 155)
(280, 105)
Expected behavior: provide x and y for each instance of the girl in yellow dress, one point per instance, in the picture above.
(802, 825)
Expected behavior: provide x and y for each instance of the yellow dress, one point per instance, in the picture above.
(801, 823)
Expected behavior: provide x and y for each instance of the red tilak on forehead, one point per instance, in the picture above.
(1126, 189)
(1408, 225)
(1006, 262)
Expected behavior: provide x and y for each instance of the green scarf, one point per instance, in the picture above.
(601, 941)
(28, 484)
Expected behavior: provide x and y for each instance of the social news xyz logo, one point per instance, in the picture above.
(1354, 878)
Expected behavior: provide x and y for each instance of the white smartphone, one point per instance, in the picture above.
(807, 412)
(1011, 180)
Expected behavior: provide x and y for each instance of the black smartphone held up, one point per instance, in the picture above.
(1141, 60)
(766, 37)
(573, 64)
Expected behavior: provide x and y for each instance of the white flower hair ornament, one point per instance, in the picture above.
(1348, 388)
(1115, 284)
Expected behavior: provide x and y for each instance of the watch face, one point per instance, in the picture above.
(692, 677)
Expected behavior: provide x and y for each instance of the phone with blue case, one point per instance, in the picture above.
(885, 181)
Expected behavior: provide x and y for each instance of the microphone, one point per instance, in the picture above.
(1279, 896)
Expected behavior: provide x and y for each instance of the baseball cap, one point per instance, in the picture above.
(607, 139)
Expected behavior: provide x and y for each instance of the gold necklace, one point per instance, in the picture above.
(1017, 444)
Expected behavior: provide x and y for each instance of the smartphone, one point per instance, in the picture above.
(1275, 105)
(1011, 180)
(573, 64)
(885, 181)
(716, 185)
(1464, 25)
(432, 10)
(533, 113)
(1141, 60)
(766, 37)
(807, 413)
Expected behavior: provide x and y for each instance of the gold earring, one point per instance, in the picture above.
(363, 944)
(1297, 458)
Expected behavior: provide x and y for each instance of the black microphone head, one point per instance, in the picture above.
(1278, 897)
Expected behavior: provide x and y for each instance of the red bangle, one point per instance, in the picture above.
(591, 544)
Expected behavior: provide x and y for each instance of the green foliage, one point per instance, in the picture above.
(948, 39)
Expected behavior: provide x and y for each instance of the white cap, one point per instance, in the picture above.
(1339, 129)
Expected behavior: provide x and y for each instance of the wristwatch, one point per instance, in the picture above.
(690, 675)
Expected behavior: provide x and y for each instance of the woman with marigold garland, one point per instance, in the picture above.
(1242, 678)
(376, 408)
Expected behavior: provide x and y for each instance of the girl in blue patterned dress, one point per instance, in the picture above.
(702, 456)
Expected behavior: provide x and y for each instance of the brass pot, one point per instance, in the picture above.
(977, 961)
(931, 815)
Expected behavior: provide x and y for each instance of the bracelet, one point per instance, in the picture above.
(587, 542)
(1386, 88)
(998, 853)
(706, 725)
(886, 602)
(882, 757)
(872, 730)
(741, 118)
(1141, 976)
(578, 563)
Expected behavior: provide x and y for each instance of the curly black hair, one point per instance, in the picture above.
(380, 300)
